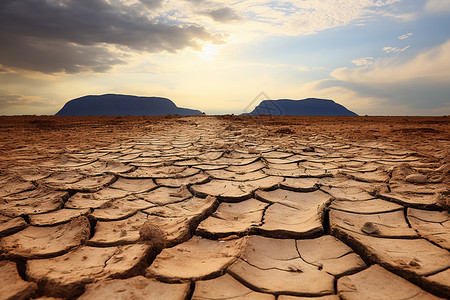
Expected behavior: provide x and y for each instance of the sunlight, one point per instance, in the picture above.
(209, 51)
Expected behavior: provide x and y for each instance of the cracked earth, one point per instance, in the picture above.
(208, 208)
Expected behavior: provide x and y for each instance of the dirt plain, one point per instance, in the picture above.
(225, 207)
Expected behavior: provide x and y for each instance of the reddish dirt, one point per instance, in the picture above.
(351, 207)
(48, 135)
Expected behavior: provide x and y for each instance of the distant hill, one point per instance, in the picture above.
(123, 105)
(305, 107)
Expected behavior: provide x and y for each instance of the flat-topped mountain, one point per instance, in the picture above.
(305, 107)
(123, 105)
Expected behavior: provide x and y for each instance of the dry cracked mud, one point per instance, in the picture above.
(225, 208)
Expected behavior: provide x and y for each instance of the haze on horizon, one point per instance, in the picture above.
(375, 57)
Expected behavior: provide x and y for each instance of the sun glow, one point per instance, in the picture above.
(209, 51)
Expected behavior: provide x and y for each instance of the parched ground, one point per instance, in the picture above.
(225, 207)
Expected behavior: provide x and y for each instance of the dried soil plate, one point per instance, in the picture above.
(13, 286)
(328, 297)
(235, 161)
(377, 176)
(412, 199)
(297, 173)
(39, 193)
(41, 204)
(195, 259)
(165, 195)
(274, 266)
(350, 193)
(210, 156)
(178, 220)
(57, 217)
(14, 185)
(284, 221)
(136, 288)
(190, 207)
(40, 242)
(104, 194)
(288, 160)
(378, 283)
(233, 218)
(176, 229)
(116, 210)
(89, 184)
(226, 175)
(11, 226)
(162, 172)
(60, 179)
(300, 184)
(410, 258)
(390, 224)
(255, 166)
(31, 173)
(133, 185)
(226, 287)
(439, 283)
(327, 252)
(178, 182)
(65, 276)
(374, 206)
(432, 225)
(209, 167)
(224, 189)
(114, 233)
(284, 166)
(106, 166)
(81, 200)
(293, 199)
(277, 154)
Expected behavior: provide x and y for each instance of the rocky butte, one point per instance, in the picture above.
(122, 105)
(305, 107)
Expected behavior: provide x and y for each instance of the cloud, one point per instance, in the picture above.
(74, 36)
(287, 17)
(364, 61)
(405, 36)
(151, 4)
(70, 36)
(395, 85)
(437, 6)
(431, 65)
(224, 14)
(10, 101)
(309, 17)
(395, 49)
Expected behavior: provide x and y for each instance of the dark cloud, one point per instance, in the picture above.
(223, 15)
(151, 4)
(73, 36)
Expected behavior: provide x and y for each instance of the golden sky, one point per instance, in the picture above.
(376, 57)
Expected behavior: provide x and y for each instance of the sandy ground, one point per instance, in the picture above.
(225, 207)
(428, 135)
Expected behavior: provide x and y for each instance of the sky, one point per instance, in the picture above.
(375, 57)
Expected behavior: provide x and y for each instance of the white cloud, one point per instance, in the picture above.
(438, 6)
(283, 17)
(308, 17)
(364, 61)
(405, 36)
(432, 64)
(393, 85)
(395, 49)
